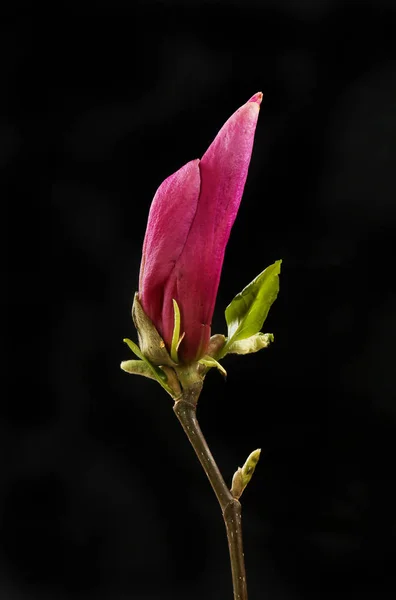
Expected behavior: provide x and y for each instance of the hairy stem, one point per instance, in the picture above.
(185, 410)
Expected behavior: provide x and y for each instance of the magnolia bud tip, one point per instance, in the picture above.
(257, 98)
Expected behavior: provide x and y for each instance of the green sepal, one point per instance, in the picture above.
(247, 312)
(254, 343)
(209, 361)
(176, 332)
(151, 343)
(157, 372)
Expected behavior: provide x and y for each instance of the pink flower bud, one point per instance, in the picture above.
(187, 232)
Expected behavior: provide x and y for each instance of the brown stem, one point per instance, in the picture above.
(185, 410)
(232, 518)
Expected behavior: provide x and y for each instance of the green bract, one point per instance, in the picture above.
(209, 361)
(156, 372)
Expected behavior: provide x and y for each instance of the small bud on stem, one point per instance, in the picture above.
(243, 475)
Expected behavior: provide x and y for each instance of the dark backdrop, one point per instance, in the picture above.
(100, 493)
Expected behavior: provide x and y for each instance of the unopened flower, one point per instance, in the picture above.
(187, 232)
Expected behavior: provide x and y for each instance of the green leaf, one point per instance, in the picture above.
(249, 309)
(254, 343)
(157, 372)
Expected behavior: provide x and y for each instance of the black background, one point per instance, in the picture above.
(100, 493)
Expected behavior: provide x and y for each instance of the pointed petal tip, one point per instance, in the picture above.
(257, 98)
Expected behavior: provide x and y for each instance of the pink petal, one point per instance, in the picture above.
(171, 214)
(195, 278)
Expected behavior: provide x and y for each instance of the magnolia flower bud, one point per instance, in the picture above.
(187, 232)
